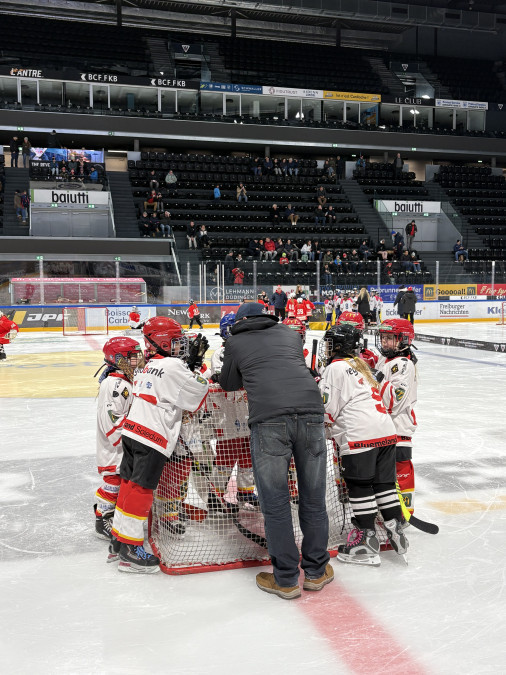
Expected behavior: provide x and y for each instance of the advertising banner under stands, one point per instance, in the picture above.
(409, 207)
(69, 197)
(352, 96)
(429, 290)
(289, 91)
(235, 88)
(469, 105)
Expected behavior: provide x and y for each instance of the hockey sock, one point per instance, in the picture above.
(388, 501)
(107, 494)
(363, 504)
(135, 510)
(118, 513)
(406, 480)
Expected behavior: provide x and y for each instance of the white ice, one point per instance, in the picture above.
(64, 610)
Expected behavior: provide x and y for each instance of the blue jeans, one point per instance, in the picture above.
(273, 443)
(461, 252)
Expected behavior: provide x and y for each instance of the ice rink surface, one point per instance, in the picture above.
(64, 610)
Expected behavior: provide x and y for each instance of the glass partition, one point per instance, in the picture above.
(272, 106)
(168, 101)
(476, 120)
(211, 103)
(333, 110)
(443, 118)
(312, 109)
(187, 102)
(76, 93)
(233, 104)
(29, 92)
(8, 90)
(51, 92)
(352, 112)
(294, 108)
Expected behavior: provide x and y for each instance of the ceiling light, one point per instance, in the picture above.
(425, 96)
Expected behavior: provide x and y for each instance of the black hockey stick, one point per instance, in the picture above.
(422, 525)
(313, 355)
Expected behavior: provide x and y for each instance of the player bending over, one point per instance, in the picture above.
(398, 388)
(122, 356)
(8, 332)
(161, 392)
(365, 436)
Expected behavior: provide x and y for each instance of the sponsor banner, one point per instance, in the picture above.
(429, 290)
(408, 100)
(227, 86)
(408, 207)
(172, 83)
(454, 310)
(290, 91)
(461, 342)
(22, 72)
(486, 289)
(47, 154)
(70, 197)
(352, 96)
(389, 293)
(469, 105)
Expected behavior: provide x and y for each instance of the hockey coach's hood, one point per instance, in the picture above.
(254, 323)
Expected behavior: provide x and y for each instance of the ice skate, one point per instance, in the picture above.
(396, 537)
(137, 560)
(114, 548)
(174, 524)
(362, 548)
(248, 501)
(3, 355)
(103, 525)
(220, 508)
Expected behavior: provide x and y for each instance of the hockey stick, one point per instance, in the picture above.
(424, 526)
(313, 355)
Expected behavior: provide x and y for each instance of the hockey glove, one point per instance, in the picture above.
(369, 357)
(378, 375)
(197, 349)
(215, 377)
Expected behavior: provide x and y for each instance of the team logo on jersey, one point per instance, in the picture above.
(325, 397)
(399, 393)
(201, 380)
(395, 369)
(125, 393)
(114, 418)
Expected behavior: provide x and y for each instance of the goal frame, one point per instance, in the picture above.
(502, 321)
(86, 328)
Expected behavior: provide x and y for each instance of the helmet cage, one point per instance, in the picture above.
(403, 335)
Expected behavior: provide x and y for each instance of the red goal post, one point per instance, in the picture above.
(502, 319)
(85, 321)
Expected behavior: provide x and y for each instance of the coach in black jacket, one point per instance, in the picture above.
(286, 418)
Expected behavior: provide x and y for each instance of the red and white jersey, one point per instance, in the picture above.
(346, 305)
(290, 308)
(193, 311)
(162, 390)
(113, 404)
(135, 317)
(229, 412)
(309, 307)
(7, 327)
(399, 393)
(357, 417)
(329, 306)
(301, 311)
(377, 302)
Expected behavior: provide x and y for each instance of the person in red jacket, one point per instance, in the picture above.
(134, 317)
(8, 331)
(269, 250)
(194, 314)
(238, 275)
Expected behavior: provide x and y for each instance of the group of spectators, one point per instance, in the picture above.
(275, 167)
(76, 170)
(151, 225)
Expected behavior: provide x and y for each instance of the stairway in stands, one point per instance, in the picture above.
(374, 226)
(15, 179)
(125, 214)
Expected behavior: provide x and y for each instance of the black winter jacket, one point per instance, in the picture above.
(266, 358)
(409, 302)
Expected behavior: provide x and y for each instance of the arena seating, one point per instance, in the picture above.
(379, 180)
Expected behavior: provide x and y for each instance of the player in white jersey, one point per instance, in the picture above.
(346, 304)
(122, 356)
(376, 308)
(365, 437)
(398, 388)
(329, 311)
(229, 417)
(162, 390)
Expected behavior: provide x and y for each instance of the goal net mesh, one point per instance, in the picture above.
(205, 515)
(85, 321)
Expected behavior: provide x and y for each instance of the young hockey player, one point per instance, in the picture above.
(355, 319)
(122, 356)
(161, 392)
(329, 310)
(365, 435)
(301, 310)
(135, 318)
(194, 314)
(8, 332)
(291, 306)
(309, 306)
(398, 388)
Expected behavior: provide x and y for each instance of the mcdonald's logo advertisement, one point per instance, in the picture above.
(459, 290)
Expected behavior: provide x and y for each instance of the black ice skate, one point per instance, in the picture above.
(361, 548)
(175, 524)
(396, 537)
(103, 525)
(137, 560)
(114, 548)
(3, 355)
(248, 501)
(219, 507)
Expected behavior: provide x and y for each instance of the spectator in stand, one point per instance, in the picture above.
(144, 225)
(411, 230)
(191, 235)
(25, 204)
(319, 215)
(280, 247)
(53, 167)
(398, 244)
(165, 227)
(321, 195)
(338, 263)
(63, 172)
(80, 167)
(327, 275)
(217, 193)
(275, 214)
(416, 261)
(291, 250)
(354, 260)
(317, 250)
(307, 251)
(153, 182)
(26, 151)
(331, 215)
(267, 167)
(171, 180)
(269, 250)
(203, 238)
(284, 166)
(72, 164)
(93, 177)
(327, 257)
(242, 193)
(365, 251)
(329, 167)
(279, 300)
(340, 168)
(154, 224)
(14, 148)
(290, 215)
(345, 264)
(239, 258)
(256, 166)
(17, 204)
(254, 248)
(151, 202)
(276, 168)
(382, 251)
(238, 275)
(283, 260)
(360, 166)
(229, 265)
(397, 165)
(293, 167)
(406, 263)
(459, 250)
(53, 140)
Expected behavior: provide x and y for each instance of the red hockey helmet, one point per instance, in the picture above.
(403, 332)
(353, 319)
(8, 329)
(121, 347)
(165, 336)
(296, 324)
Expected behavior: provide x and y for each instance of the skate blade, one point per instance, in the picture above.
(112, 557)
(132, 569)
(373, 561)
(405, 558)
(99, 535)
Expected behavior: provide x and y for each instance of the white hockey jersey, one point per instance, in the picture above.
(358, 420)
(217, 360)
(399, 393)
(113, 404)
(346, 305)
(162, 390)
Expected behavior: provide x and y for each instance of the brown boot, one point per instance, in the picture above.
(267, 583)
(318, 584)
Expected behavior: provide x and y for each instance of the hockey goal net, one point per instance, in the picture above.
(205, 515)
(502, 318)
(85, 321)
